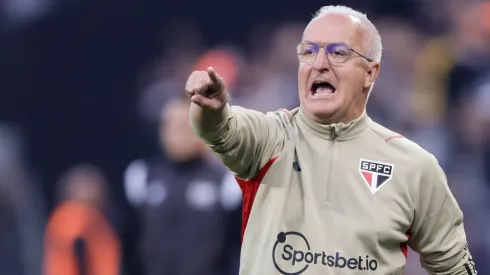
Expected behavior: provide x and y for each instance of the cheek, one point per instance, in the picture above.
(350, 78)
(303, 75)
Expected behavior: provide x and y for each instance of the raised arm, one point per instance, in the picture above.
(244, 140)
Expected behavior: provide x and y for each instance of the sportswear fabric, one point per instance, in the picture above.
(337, 199)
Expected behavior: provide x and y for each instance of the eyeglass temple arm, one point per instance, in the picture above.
(361, 55)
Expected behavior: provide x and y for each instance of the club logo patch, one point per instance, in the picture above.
(375, 174)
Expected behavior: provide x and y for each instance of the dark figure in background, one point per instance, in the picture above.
(22, 208)
(189, 204)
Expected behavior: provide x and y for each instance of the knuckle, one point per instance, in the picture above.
(200, 89)
(204, 81)
(195, 91)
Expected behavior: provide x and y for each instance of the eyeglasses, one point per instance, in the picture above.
(336, 52)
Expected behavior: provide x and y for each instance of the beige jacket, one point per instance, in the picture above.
(337, 199)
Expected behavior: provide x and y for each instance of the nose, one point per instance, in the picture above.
(321, 63)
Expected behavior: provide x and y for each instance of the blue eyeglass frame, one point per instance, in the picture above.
(328, 47)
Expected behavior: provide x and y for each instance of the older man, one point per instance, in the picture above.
(327, 190)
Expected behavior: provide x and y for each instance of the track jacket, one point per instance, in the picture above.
(337, 199)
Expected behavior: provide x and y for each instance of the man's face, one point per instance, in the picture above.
(176, 135)
(349, 79)
(87, 186)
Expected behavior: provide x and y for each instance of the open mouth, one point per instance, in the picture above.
(322, 88)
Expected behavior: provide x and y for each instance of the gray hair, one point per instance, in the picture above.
(373, 47)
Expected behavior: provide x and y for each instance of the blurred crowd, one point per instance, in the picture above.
(185, 207)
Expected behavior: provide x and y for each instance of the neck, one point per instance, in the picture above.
(339, 129)
(337, 118)
(344, 117)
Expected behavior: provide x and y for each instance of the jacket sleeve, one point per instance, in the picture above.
(438, 233)
(246, 141)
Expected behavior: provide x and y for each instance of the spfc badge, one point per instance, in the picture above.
(375, 174)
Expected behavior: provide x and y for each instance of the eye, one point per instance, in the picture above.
(309, 51)
(339, 52)
(306, 49)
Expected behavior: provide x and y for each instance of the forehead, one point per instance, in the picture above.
(334, 28)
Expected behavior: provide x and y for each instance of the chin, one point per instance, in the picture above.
(324, 117)
(322, 113)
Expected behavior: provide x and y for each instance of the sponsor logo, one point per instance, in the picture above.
(293, 255)
(375, 174)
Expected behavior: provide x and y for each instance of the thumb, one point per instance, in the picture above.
(206, 103)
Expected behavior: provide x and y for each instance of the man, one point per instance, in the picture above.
(326, 190)
(22, 208)
(186, 203)
(79, 238)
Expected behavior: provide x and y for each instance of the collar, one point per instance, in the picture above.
(337, 131)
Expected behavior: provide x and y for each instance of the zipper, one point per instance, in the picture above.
(331, 157)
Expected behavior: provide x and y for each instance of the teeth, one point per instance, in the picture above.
(324, 90)
(322, 87)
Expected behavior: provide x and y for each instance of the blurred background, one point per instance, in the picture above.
(99, 172)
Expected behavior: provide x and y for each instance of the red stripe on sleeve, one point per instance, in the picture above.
(249, 190)
(404, 246)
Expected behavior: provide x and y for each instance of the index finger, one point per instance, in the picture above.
(215, 78)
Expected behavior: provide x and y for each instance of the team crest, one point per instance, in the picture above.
(375, 174)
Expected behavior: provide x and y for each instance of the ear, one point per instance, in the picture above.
(371, 74)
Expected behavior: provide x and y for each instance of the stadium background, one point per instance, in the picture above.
(84, 82)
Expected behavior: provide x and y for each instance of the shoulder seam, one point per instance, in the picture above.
(287, 112)
(390, 138)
